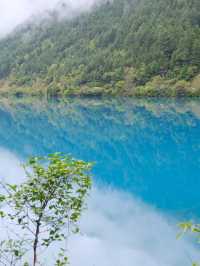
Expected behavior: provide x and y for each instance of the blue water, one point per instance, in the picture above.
(145, 148)
(150, 148)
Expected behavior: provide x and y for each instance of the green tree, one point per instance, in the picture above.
(52, 198)
(153, 37)
(189, 227)
(12, 251)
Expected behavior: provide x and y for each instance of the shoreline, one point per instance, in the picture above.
(153, 94)
(156, 88)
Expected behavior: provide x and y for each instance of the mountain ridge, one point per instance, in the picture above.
(121, 47)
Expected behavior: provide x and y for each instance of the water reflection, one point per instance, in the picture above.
(120, 230)
(117, 229)
(147, 149)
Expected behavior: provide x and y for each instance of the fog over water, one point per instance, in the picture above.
(117, 229)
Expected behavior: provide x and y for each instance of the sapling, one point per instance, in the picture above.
(47, 206)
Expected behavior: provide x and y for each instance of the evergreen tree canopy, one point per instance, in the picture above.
(118, 45)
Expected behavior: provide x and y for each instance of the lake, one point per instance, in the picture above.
(146, 176)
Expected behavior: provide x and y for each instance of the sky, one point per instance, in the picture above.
(117, 229)
(15, 12)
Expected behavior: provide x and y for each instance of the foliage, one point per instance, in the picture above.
(120, 44)
(189, 227)
(12, 251)
(48, 205)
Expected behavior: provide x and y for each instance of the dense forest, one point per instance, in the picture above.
(130, 47)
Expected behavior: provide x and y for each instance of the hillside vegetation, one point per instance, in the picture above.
(141, 47)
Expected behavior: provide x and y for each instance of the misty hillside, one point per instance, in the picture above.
(124, 46)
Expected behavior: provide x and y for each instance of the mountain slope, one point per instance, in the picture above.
(124, 46)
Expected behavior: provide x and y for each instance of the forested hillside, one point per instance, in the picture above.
(136, 47)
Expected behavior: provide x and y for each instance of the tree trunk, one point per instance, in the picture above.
(35, 244)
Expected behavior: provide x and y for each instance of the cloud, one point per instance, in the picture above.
(117, 229)
(122, 231)
(10, 167)
(13, 13)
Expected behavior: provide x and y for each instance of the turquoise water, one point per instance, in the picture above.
(146, 151)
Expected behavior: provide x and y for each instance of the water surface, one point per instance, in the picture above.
(146, 174)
